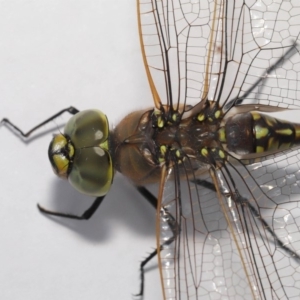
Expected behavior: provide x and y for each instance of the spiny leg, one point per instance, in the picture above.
(172, 225)
(85, 216)
(91, 210)
(72, 110)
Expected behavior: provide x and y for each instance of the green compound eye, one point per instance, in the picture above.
(92, 171)
(82, 155)
(88, 128)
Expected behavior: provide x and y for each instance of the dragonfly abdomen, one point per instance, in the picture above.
(256, 133)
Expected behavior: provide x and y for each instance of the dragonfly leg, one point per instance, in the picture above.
(85, 216)
(147, 195)
(72, 110)
(172, 225)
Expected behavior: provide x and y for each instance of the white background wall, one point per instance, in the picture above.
(54, 54)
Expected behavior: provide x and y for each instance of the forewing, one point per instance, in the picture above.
(257, 69)
(175, 42)
(222, 51)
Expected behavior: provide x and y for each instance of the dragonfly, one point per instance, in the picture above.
(227, 170)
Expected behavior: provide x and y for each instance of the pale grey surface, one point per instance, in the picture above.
(54, 54)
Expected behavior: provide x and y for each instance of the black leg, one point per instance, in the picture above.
(85, 216)
(204, 183)
(147, 195)
(142, 272)
(72, 110)
(172, 225)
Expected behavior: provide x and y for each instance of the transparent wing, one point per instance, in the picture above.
(268, 208)
(242, 245)
(204, 261)
(218, 50)
(175, 37)
(255, 35)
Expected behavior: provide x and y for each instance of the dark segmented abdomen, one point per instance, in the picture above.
(253, 132)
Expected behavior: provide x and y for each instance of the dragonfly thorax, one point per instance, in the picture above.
(143, 143)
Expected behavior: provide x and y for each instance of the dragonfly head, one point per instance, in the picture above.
(81, 154)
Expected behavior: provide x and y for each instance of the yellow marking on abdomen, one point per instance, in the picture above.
(273, 144)
(297, 131)
(285, 131)
(261, 132)
(255, 116)
(285, 146)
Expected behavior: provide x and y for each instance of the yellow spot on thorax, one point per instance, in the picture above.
(163, 150)
(160, 122)
(201, 117)
(217, 114)
(222, 136)
(204, 152)
(221, 154)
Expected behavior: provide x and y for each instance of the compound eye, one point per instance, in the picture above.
(92, 171)
(87, 128)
